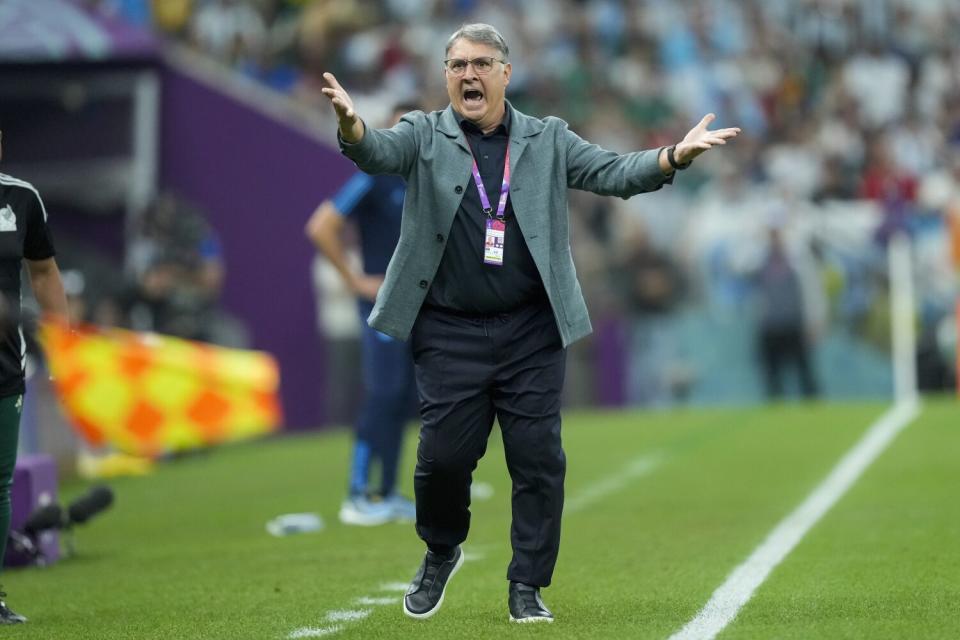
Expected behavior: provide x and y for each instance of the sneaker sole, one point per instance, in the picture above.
(354, 518)
(530, 619)
(427, 614)
(403, 519)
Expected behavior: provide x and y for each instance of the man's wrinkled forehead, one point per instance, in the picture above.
(464, 48)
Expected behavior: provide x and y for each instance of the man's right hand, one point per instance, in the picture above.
(366, 286)
(351, 126)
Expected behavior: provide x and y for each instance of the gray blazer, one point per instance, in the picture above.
(431, 153)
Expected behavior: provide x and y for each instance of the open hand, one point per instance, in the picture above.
(351, 127)
(699, 139)
(342, 103)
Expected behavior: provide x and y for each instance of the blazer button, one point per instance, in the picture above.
(439, 237)
(423, 284)
(458, 190)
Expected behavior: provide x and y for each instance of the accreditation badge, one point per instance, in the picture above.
(493, 243)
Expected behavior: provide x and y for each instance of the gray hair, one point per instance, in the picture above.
(481, 34)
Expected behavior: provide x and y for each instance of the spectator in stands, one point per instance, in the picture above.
(230, 30)
(172, 16)
(883, 180)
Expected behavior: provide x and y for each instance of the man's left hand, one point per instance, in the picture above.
(699, 139)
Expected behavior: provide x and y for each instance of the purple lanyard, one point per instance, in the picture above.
(504, 188)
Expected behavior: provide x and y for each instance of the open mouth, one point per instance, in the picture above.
(473, 96)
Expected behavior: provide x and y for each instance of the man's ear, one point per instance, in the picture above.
(507, 70)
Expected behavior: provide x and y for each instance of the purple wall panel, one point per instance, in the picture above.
(34, 485)
(258, 180)
(611, 346)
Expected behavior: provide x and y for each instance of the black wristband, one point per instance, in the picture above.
(673, 161)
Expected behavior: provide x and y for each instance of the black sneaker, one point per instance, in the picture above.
(425, 594)
(526, 604)
(7, 616)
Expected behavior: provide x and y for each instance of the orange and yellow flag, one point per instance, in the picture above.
(149, 394)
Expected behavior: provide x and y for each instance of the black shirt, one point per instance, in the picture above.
(463, 282)
(23, 234)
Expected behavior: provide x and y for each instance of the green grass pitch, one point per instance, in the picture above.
(666, 505)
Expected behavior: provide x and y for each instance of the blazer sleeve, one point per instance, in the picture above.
(385, 151)
(593, 168)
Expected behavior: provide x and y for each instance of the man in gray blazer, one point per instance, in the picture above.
(483, 283)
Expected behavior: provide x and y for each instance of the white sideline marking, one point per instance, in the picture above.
(368, 601)
(740, 585)
(395, 586)
(611, 484)
(314, 632)
(348, 616)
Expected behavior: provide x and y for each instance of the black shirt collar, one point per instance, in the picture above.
(468, 127)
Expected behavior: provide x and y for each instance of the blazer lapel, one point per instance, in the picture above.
(522, 128)
(447, 125)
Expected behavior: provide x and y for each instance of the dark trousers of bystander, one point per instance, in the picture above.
(10, 408)
(388, 391)
(470, 370)
(781, 348)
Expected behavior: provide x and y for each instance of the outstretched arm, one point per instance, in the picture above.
(375, 151)
(697, 140)
(604, 172)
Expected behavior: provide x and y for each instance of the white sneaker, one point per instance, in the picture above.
(402, 509)
(361, 511)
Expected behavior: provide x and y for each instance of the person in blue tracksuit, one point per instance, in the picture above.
(374, 204)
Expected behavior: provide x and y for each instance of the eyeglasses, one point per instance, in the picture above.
(458, 66)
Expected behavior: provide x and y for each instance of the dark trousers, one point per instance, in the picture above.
(388, 392)
(470, 370)
(10, 408)
(782, 348)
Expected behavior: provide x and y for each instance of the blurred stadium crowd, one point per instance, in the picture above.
(851, 118)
